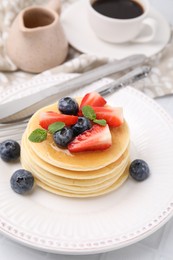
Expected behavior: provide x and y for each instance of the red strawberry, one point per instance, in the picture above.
(93, 99)
(112, 115)
(96, 138)
(50, 117)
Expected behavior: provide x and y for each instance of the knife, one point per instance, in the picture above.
(26, 106)
(128, 79)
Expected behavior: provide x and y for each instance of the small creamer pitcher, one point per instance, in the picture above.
(36, 39)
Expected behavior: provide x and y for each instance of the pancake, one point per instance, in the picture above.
(84, 161)
(80, 189)
(47, 179)
(41, 173)
(37, 171)
(27, 151)
(113, 187)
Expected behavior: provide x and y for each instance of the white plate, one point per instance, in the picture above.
(82, 226)
(81, 36)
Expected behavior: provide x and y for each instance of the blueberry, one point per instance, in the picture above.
(9, 150)
(68, 106)
(82, 125)
(22, 181)
(139, 170)
(63, 137)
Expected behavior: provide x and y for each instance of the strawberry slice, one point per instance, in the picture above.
(93, 99)
(50, 117)
(112, 115)
(96, 138)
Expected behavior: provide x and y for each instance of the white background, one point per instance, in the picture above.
(165, 7)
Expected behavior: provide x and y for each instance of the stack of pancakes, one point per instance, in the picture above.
(84, 174)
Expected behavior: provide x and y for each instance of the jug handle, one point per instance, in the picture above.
(55, 5)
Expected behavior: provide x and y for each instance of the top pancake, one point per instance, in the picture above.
(83, 161)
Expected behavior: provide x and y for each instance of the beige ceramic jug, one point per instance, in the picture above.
(36, 39)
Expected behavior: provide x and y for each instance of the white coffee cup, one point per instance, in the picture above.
(113, 30)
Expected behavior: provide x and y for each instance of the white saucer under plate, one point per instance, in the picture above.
(81, 36)
(86, 226)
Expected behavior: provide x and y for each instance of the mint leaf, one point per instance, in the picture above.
(55, 127)
(101, 122)
(38, 135)
(89, 112)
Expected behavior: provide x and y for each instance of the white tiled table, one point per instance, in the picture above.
(156, 247)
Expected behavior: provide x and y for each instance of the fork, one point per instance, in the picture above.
(13, 130)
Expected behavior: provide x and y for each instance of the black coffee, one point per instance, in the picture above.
(120, 9)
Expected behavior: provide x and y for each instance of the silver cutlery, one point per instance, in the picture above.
(26, 106)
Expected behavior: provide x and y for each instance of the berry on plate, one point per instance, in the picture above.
(112, 115)
(9, 150)
(22, 181)
(68, 106)
(93, 99)
(96, 138)
(139, 170)
(50, 117)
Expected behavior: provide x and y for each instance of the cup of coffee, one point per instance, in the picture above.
(120, 21)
